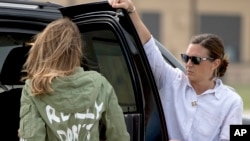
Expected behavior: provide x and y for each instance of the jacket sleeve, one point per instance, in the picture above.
(114, 119)
(32, 127)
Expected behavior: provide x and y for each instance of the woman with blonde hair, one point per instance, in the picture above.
(61, 101)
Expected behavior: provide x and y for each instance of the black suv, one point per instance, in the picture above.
(112, 47)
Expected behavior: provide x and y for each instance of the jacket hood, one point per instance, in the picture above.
(74, 93)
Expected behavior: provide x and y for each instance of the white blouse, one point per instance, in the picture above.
(192, 117)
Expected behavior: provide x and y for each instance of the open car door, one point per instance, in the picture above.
(112, 47)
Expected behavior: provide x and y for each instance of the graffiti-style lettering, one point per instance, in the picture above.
(98, 109)
(65, 117)
(72, 133)
(51, 114)
(85, 115)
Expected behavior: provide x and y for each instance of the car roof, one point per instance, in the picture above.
(36, 11)
(29, 4)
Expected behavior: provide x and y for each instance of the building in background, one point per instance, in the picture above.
(173, 22)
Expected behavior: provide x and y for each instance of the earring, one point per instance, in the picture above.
(216, 73)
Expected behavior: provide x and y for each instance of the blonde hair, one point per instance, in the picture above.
(57, 51)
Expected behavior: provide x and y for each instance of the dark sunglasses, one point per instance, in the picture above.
(195, 60)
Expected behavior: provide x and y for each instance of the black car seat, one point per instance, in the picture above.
(10, 99)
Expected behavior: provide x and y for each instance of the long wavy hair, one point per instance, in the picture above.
(56, 52)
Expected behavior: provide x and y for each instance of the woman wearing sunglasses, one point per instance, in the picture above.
(197, 105)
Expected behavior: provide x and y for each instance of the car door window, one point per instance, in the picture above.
(9, 42)
(105, 55)
(120, 62)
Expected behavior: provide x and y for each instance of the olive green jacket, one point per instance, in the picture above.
(73, 110)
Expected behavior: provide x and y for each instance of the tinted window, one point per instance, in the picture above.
(105, 56)
(9, 41)
(10, 72)
(125, 68)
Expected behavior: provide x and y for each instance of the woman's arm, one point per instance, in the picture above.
(141, 29)
(113, 117)
(163, 72)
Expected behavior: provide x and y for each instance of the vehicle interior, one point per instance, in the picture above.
(11, 86)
